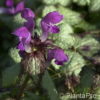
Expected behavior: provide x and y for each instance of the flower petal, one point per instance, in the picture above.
(9, 3)
(24, 44)
(48, 29)
(30, 24)
(44, 36)
(20, 6)
(27, 13)
(54, 29)
(45, 27)
(58, 55)
(53, 17)
(22, 32)
(11, 10)
(21, 46)
(47, 23)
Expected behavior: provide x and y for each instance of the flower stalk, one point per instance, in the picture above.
(19, 95)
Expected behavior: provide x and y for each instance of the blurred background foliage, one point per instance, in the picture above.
(80, 39)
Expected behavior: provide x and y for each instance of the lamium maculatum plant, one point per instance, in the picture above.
(52, 51)
(39, 49)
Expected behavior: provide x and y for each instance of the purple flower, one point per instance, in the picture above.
(48, 24)
(21, 46)
(36, 45)
(19, 7)
(24, 37)
(9, 3)
(30, 24)
(11, 9)
(27, 13)
(59, 56)
(24, 32)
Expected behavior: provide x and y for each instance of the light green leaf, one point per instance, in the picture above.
(85, 26)
(88, 40)
(32, 66)
(48, 9)
(15, 55)
(74, 65)
(65, 38)
(64, 41)
(82, 2)
(48, 85)
(18, 20)
(65, 28)
(71, 17)
(10, 75)
(92, 43)
(95, 5)
(61, 2)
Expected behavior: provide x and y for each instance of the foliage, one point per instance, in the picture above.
(79, 37)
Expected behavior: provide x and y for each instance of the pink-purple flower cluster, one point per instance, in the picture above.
(11, 8)
(32, 44)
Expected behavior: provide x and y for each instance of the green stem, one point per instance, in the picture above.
(22, 88)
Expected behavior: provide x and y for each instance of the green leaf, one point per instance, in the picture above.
(31, 96)
(65, 28)
(14, 53)
(48, 9)
(71, 17)
(65, 41)
(74, 65)
(32, 66)
(18, 20)
(61, 2)
(86, 80)
(48, 85)
(65, 38)
(10, 75)
(95, 5)
(87, 77)
(4, 95)
(91, 42)
(88, 40)
(85, 26)
(82, 2)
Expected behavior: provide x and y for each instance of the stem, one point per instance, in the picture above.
(22, 88)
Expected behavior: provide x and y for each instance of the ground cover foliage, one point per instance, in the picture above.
(79, 37)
